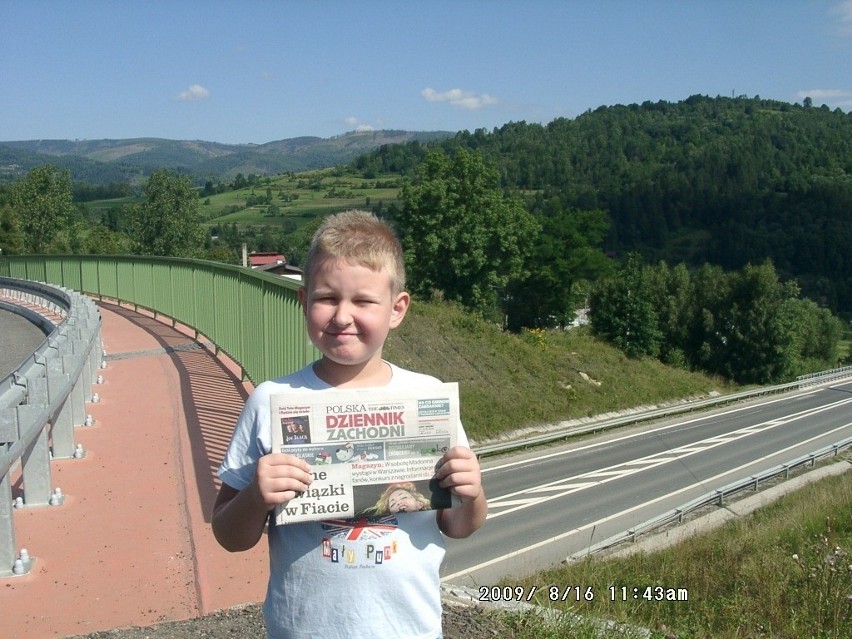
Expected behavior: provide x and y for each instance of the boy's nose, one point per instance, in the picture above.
(342, 316)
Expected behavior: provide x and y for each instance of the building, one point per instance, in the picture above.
(274, 263)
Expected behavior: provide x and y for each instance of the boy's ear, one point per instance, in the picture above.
(303, 298)
(400, 306)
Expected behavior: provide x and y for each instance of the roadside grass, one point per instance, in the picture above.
(783, 571)
(535, 379)
(524, 625)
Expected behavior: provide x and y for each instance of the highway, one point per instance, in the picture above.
(553, 502)
(18, 339)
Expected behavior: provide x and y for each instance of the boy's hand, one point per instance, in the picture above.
(459, 471)
(280, 477)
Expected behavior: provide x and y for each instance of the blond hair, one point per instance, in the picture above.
(359, 237)
(382, 506)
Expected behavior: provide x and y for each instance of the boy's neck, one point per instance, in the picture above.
(374, 373)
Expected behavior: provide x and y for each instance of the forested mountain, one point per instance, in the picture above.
(17, 162)
(103, 162)
(728, 181)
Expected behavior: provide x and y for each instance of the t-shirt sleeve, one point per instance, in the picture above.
(251, 440)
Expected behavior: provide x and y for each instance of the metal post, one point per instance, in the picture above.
(79, 349)
(62, 433)
(77, 398)
(7, 525)
(35, 461)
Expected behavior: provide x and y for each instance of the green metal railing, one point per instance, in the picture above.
(255, 318)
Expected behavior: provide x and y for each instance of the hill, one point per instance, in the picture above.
(130, 160)
(721, 180)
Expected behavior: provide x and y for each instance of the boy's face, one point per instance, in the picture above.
(350, 310)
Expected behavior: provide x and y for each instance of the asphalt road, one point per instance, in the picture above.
(551, 503)
(18, 339)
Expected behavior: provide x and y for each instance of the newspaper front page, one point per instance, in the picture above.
(373, 452)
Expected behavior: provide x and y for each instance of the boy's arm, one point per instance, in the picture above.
(459, 472)
(239, 516)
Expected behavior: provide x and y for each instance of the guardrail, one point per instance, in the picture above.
(713, 497)
(596, 425)
(42, 401)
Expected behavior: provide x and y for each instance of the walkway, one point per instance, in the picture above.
(132, 545)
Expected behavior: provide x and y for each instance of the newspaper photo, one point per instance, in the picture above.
(373, 452)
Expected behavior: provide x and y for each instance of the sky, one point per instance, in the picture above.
(256, 71)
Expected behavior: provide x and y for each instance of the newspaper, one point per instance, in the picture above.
(372, 452)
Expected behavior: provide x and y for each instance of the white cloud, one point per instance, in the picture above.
(194, 93)
(356, 124)
(844, 12)
(830, 97)
(466, 100)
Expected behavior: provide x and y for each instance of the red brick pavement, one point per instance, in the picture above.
(132, 545)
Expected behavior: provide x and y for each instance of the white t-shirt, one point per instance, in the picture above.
(376, 578)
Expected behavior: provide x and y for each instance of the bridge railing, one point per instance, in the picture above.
(255, 318)
(43, 399)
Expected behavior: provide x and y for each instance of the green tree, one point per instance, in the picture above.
(11, 236)
(670, 291)
(761, 334)
(706, 334)
(622, 311)
(240, 182)
(104, 241)
(817, 336)
(222, 254)
(42, 201)
(167, 223)
(745, 325)
(461, 234)
(564, 259)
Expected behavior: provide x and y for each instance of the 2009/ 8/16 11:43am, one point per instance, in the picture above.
(582, 593)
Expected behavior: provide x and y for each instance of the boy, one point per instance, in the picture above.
(353, 296)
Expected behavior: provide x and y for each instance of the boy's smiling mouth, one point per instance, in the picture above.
(342, 334)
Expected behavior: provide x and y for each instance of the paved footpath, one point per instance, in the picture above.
(131, 545)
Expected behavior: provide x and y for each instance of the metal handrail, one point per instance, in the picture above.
(42, 401)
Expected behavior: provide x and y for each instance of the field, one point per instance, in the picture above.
(298, 198)
(287, 201)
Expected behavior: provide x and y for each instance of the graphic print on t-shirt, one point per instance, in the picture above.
(361, 542)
